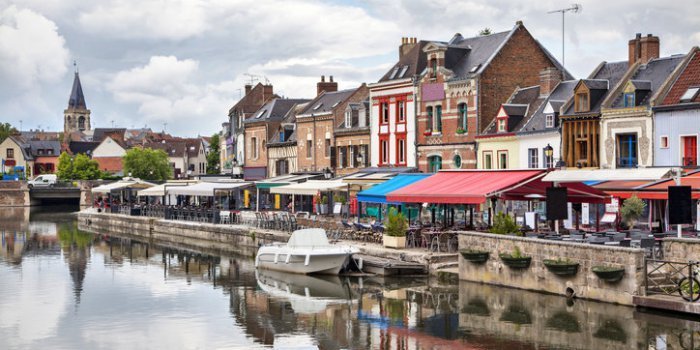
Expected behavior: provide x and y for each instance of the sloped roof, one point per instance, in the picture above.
(54, 146)
(274, 110)
(605, 77)
(519, 107)
(414, 62)
(326, 102)
(99, 134)
(83, 147)
(650, 77)
(253, 100)
(561, 93)
(173, 148)
(688, 77)
(76, 99)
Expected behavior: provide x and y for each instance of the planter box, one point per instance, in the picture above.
(394, 242)
(516, 263)
(561, 268)
(609, 274)
(475, 256)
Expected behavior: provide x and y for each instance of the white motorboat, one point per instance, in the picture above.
(306, 252)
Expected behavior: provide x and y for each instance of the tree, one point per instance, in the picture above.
(213, 164)
(632, 209)
(6, 130)
(485, 31)
(147, 164)
(80, 167)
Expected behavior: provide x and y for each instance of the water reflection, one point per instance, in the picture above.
(70, 289)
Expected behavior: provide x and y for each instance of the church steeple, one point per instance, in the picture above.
(76, 117)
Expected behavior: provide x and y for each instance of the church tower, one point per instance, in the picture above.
(76, 117)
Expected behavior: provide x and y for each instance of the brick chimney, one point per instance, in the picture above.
(327, 86)
(549, 78)
(406, 45)
(248, 87)
(267, 91)
(643, 49)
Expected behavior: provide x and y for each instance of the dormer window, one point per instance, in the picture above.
(549, 121)
(582, 103)
(628, 99)
(502, 125)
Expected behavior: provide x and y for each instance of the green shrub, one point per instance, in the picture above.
(503, 224)
(396, 224)
(631, 210)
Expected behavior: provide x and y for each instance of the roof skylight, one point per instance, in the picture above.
(403, 71)
(690, 94)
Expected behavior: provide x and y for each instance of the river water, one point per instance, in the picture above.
(61, 288)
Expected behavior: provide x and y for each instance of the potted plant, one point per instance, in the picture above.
(631, 210)
(516, 260)
(428, 132)
(395, 230)
(324, 205)
(609, 273)
(343, 203)
(504, 224)
(561, 267)
(474, 256)
(460, 131)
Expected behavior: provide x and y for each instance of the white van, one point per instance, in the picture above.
(46, 180)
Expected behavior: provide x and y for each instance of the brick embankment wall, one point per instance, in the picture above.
(14, 194)
(585, 284)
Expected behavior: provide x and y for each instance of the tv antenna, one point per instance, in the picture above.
(575, 8)
(253, 78)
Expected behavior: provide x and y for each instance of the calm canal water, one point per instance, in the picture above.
(61, 288)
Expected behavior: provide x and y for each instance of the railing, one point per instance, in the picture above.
(671, 278)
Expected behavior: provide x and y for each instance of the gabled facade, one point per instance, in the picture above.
(177, 156)
(15, 151)
(282, 149)
(352, 139)
(109, 155)
(677, 116)
(627, 132)
(461, 90)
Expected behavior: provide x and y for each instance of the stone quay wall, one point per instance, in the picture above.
(681, 249)
(585, 284)
(14, 194)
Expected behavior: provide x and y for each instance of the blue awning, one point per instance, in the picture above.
(377, 193)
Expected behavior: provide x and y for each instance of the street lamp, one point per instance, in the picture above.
(327, 173)
(548, 153)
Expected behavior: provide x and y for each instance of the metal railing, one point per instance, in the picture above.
(671, 278)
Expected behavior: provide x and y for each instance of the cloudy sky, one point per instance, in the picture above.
(184, 62)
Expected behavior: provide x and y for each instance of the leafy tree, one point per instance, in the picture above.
(6, 130)
(631, 210)
(485, 31)
(147, 164)
(80, 167)
(213, 165)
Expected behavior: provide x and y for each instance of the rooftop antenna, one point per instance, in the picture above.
(240, 96)
(112, 124)
(575, 8)
(253, 78)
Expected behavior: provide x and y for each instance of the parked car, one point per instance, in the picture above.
(46, 180)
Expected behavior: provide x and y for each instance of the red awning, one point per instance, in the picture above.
(656, 190)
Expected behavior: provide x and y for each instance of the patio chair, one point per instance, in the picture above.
(648, 245)
(225, 217)
(625, 243)
(619, 236)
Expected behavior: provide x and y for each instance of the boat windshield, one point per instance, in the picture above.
(310, 237)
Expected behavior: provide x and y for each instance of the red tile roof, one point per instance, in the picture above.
(690, 77)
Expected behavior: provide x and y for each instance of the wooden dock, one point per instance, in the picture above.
(388, 267)
(667, 303)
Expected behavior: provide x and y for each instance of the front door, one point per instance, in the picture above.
(690, 151)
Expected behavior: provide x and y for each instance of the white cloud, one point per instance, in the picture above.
(32, 51)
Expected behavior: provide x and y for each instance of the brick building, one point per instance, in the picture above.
(282, 150)
(352, 139)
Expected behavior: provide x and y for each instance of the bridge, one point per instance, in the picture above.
(62, 194)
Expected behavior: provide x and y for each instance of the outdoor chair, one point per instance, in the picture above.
(619, 236)
(625, 243)
(648, 245)
(225, 217)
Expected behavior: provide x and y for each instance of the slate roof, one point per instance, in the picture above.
(54, 146)
(173, 148)
(414, 60)
(288, 125)
(537, 121)
(117, 134)
(651, 76)
(688, 77)
(611, 72)
(519, 107)
(274, 110)
(77, 99)
(83, 147)
(326, 102)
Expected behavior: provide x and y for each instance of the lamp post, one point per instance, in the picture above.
(327, 174)
(548, 153)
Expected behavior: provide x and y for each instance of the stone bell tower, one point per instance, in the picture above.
(76, 117)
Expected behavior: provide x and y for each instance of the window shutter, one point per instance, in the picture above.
(333, 153)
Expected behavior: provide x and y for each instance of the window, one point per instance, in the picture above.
(351, 159)
(629, 99)
(81, 123)
(690, 150)
(363, 158)
(502, 125)
(583, 152)
(690, 94)
(341, 157)
(462, 118)
(533, 161)
(401, 150)
(254, 147)
(10, 153)
(582, 102)
(548, 161)
(348, 119)
(434, 67)
(549, 121)
(457, 161)
(438, 118)
(393, 72)
(430, 118)
(664, 142)
(384, 149)
(328, 148)
(627, 150)
(488, 161)
(384, 113)
(403, 71)
(503, 160)
(281, 136)
(400, 112)
(434, 164)
(282, 167)
(309, 146)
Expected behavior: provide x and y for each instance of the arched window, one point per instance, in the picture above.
(429, 124)
(81, 123)
(434, 164)
(438, 118)
(462, 116)
(457, 161)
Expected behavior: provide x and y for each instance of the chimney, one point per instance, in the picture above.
(549, 78)
(643, 49)
(329, 86)
(406, 45)
(248, 87)
(267, 91)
